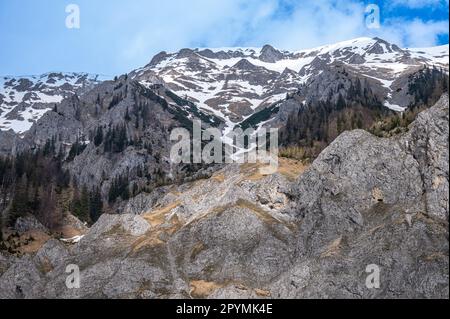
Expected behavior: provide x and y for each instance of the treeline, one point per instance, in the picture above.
(141, 113)
(87, 205)
(124, 187)
(314, 126)
(427, 86)
(116, 99)
(119, 188)
(116, 140)
(396, 123)
(76, 149)
(35, 182)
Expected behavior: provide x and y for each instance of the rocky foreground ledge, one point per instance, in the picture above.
(304, 232)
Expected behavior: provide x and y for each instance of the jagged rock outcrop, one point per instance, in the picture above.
(367, 201)
(294, 234)
(207, 78)
(24, 99)
(143, 116)
(237, 82)
(270, 54)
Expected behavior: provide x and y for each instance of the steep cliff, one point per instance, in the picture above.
(302, 232)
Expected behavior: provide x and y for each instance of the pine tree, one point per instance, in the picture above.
(116, 139)
(95, 205)
(98, 138)
(80, 204)
(1, 228)
(76, 149)
(119, 188)
(127, 116)
(20, 202)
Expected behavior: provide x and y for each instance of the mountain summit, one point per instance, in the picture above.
(218, 80)
(231, 83)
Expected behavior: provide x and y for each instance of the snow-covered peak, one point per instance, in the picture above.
(24, 99)
(437, 54)
(248, 51)
(233, 83)
(362, 51)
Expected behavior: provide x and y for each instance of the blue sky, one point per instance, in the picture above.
(116, 36)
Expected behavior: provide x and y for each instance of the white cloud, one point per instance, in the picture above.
(319, 22)
(287, 24)
(415, 33)
(415, 4)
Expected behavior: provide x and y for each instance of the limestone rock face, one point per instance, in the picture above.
(27, 223)
(304, 232)
(132, 224)
(428, 142)
(368, 201)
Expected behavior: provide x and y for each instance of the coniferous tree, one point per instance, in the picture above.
(98, 137)
(20, 203)
(30, 183)
(1, 228)
(119, 188)
(116, 139)
(76, 149)
(80, 204)
(95, 205)
(127, 116)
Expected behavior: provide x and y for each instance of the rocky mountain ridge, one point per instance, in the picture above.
(113, 138)
(231, 83)
(303, 232)
(234, 83)
(25, 99)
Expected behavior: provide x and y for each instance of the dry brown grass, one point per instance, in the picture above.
(250, 171)
(174, 190)
(427, 219)
(289, 168)
(334, 249)
(218, 177)
(262, 292)
(202, 288)
(39, 239)
(374, 229)
(153, 236)
(150, 239)
(159, 215)
(45, 266)
(197, 249)
(68, 231)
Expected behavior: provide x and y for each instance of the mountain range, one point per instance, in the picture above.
(86, 176)
(233, 83)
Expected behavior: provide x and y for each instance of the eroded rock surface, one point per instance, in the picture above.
(303, 232)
